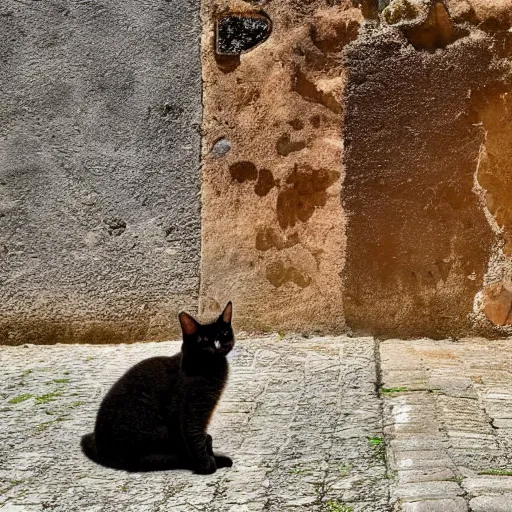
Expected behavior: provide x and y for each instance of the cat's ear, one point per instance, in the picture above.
(226, 314)
(188, 324)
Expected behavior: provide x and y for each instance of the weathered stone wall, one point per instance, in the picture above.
(493, 110)
(427, 143)
(419, 241)
(100, 112)
(428, 163)
(412, 245)
(356, 167)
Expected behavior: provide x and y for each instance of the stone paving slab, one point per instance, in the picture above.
(447, 410)
(300, 417)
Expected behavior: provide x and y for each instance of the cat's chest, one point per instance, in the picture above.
(206, 389)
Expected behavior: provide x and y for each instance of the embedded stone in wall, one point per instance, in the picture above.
(403, 10)
(237, 34)
(221, 148)
(425, 26)
(498, 304)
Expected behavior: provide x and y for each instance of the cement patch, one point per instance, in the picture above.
(100, 112)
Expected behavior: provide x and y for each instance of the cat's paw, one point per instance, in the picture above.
(222, 461)
(207, 467)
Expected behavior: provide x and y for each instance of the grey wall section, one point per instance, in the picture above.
(100, 111)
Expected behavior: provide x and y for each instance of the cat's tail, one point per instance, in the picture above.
(88, 445)
(153, 462)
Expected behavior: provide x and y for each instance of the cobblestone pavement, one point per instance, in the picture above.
(448, 424)
(302, 419)
(299, 417)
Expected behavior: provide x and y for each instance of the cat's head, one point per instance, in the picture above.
(214, 338)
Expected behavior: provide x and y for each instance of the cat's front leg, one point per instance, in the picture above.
(221, 461)
(209, 444)
(196, 442)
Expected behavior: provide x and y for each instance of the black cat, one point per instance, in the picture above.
(155, 416)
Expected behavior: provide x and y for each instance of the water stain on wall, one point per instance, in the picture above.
(306, 191)
(278, 274)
